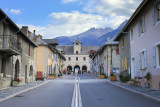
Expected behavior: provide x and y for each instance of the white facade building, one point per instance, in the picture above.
(77, 56)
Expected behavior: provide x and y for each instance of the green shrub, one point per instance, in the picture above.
(124, 78)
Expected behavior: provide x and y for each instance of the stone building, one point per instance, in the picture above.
(47, 58)
(106, 58)
(77, 56)
(16, 53)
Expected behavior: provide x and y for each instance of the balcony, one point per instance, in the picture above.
(9, 45)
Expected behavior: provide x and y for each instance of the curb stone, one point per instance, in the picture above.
(25, 90)
(137, 92)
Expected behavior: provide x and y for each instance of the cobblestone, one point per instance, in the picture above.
(12, 90)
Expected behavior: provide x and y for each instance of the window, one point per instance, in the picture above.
(117, 49)
(84, 58)
(159, 55)
(123, 43)
(77, 44)
(76, 52)
(143, 59)
(29, 50)
(156, 13)
(131, 35)
(141, 25)
(69, 58)
(156, 56)
(76, 58)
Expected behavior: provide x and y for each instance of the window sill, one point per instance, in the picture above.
(157, 67)
(141, 35)
(157, 23)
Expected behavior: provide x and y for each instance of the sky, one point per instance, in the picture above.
(53, 18)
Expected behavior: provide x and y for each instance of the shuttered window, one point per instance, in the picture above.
(154, 56)
(159, 54)
(141, 25)
(156, 12)
(143, 59)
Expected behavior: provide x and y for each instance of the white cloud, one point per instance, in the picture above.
(14, 11)
(112, 7)
(69, 24)
(68, 1)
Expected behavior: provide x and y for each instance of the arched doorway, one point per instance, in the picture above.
(84, 68)
(31, 71)
(16, 75)
(76, 68)
(69, 68)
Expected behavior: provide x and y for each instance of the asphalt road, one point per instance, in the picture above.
(50, 95)
(94, 93)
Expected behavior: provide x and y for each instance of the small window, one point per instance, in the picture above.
(131, 35)
(76, 58)
(143, 59)
(141, 26)
(159, 55)
(123, 43)
(117, 49)
(156, 13)
(76, 52)
(29, 50)
(77, 44)
(69, 58)
(84, 58)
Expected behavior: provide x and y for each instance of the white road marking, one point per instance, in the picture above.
(76, 99)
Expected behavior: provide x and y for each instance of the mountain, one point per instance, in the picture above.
(103, 38)
(93, 36)
(87, 38)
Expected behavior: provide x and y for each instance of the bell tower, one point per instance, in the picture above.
(77, 46)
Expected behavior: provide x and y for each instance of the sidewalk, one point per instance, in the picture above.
(12, 91)
(147, 92)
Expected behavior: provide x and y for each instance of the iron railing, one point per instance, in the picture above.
(9, 42)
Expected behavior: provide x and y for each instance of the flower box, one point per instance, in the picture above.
(15, 83)
(102, 76)
(113, 78)
(51, 76)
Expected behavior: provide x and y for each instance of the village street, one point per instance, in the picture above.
(92, 92)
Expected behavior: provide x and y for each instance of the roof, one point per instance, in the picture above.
(69, 50)
(51, 41)
(77, 41)
(37, 40)
(142, 5)
(15, 26)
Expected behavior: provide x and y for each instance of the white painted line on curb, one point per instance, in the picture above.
(22, 91)
(148, 96)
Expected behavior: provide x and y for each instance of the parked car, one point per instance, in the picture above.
(40, 76)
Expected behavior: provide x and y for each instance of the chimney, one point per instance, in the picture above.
(25, 30)
(34, 32)
(108, 38)
(39, 36)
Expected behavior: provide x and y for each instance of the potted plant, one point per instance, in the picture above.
(103, 75)
(59, 75)
(132, 81)
(52, 76)
(113, 77)
(148, 77)
(15, 82)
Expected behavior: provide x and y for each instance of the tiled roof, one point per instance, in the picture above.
(77, 41)
(85, 49)
(51, 41)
